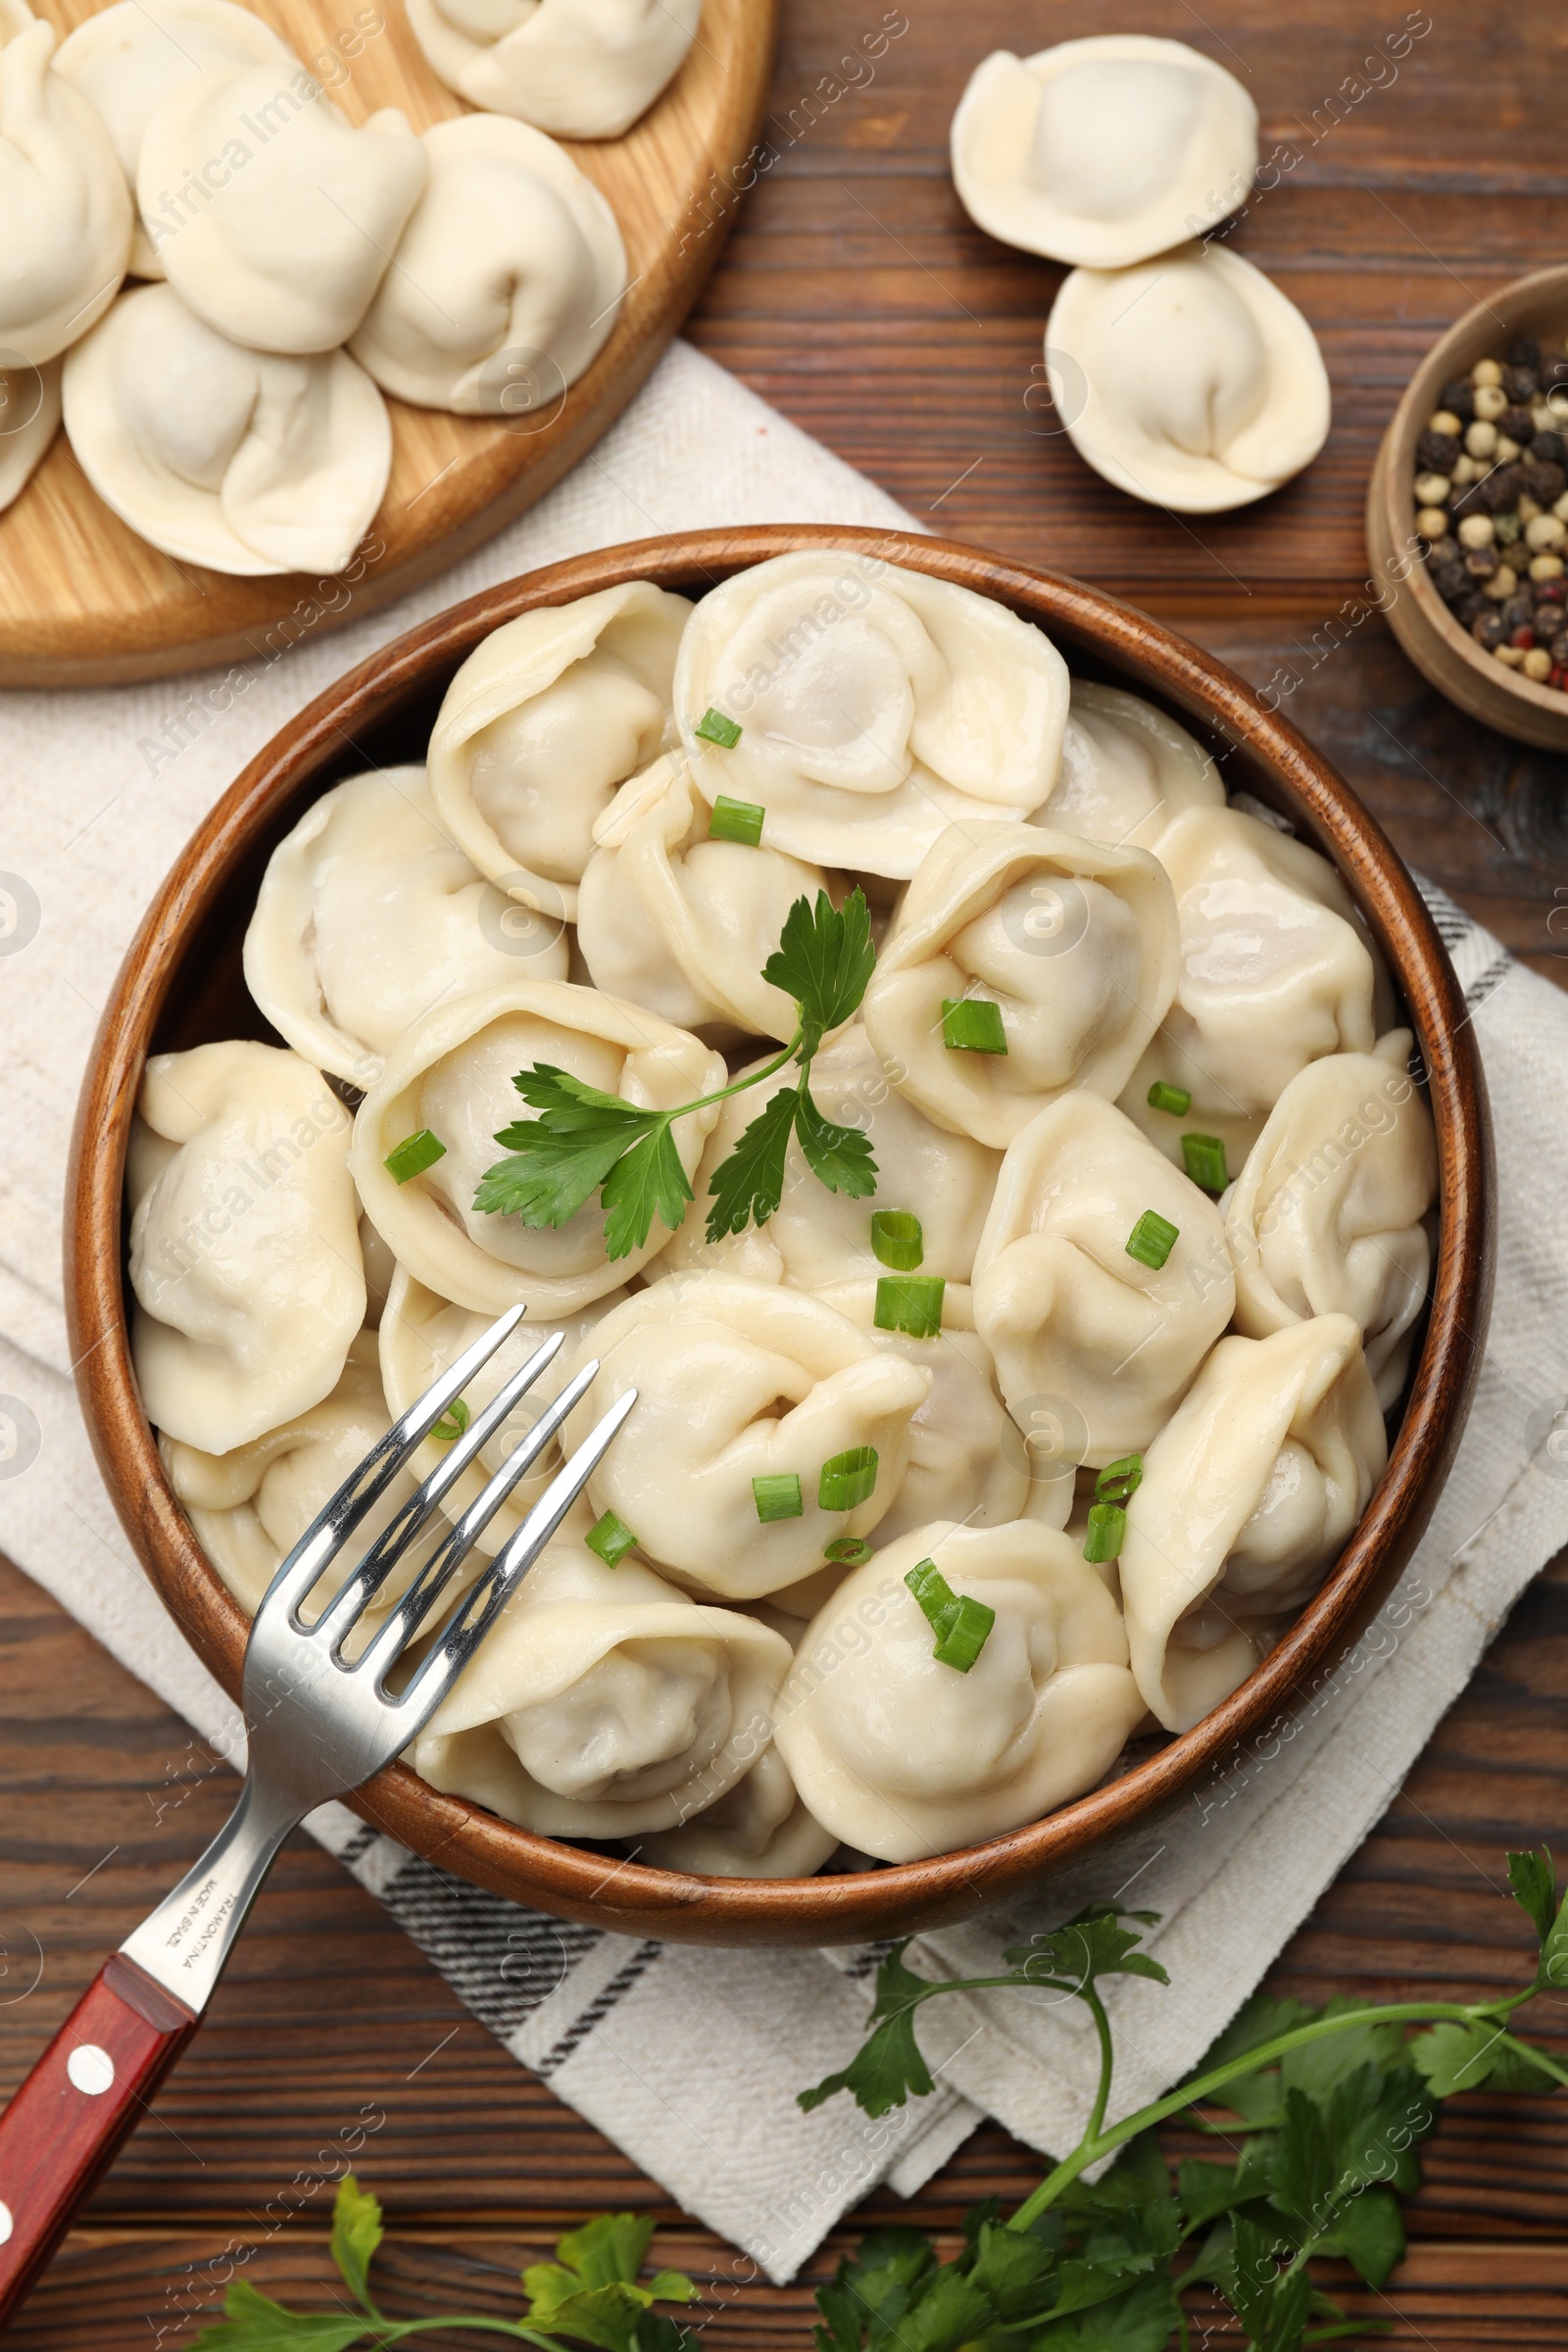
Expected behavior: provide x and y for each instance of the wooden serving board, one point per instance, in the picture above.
(86, 602)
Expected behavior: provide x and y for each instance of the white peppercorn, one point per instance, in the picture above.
(1537, 662)
(1489, 372)
(1507, 449)
(1478, 530)
(1444, 420)
(1546, 534)
(1528, 507)
(1545, 568)
(1501, 585)
(1465, 471)
(1481, 438)
(1560, 507)
(1431, 521)
(1491, 401)
(1431, 489)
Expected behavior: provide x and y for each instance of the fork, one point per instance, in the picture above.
(319, 1723)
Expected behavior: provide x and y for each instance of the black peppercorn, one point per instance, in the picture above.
(1500, 489)
(1551, 592)
(1481, 561)
(1518, 612)
(1488, 631)
(1452, 581)
(1467, 501)
(1550, 449)
(1459, 398)
(1443, 551)
(1518, 424)
(1522, 383)
(1439, 453)
(1544, 482)
(1524, 352)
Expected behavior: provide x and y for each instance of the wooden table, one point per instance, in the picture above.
(856, 297)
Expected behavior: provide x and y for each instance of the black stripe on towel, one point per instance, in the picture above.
(499, 1960)
(599, 2008)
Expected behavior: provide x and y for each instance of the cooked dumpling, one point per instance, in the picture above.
(967, 1459)
(421, 1333)
(244, 1255)
(1103, 151)
(875, 706)
(510, 250)
(1073, 943)
(543, 723)
(685, 924)
(29, 409)
(738, 1381)
(1276, 971)
(582, 68)
(62, 199)
(233, 459)
(452, 1076)
(1126, 770)
(286, 249)
(605, 1702)
(758, 1829)
(1071, 1316)
(250, 1508)
(1202, 386)
(1327, 1215)
(1247, 1496)
(904, 1757)
(815, 1237)
(367, 917)
(127, 58)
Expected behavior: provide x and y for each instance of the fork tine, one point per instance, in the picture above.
(437, 1572)
(365, 1485)
(344, 1610)
(440, 1670)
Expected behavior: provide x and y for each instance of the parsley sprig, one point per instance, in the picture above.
(585, 1140)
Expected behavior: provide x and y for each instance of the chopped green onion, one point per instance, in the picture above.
(1119, 1480)
(1205, 1156)
(413, 1156)
(848, 1551)
(778, 1496)
(1174, 1099)
(1153, 1238)
(714, 728)
(960, 1624)
(972, 1025)
(452, 1422)
(896, 1239)
(611, 1538)
(911, 1303)
(736, 820)
(848, 1480)
(1107, 1526)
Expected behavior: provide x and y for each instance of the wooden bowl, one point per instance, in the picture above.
(181, 983)
(1445, 653)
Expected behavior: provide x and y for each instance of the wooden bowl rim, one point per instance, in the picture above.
(628, 1896)
(1393, 477)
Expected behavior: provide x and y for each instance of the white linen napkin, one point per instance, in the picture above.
(690, 2060)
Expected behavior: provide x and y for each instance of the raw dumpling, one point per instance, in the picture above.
(452, 1075)
(127, 58)
(1327, 1215)
(875, 706)
(421, 1333)
(299, 210)
(682, 923)
(967, 1459)
(1073, 942)
(229, 458)
(367, 917)
(604, 1703)
(738, 1381)
(903, 1756)
(1196, 383)
(510, 258)
(1126, 770)
(244, 1250)
(582, 68)
(62, 199)
(1072, 1317)
(1276, 971)
(542, 725)
(815, 1237)
(250, 1508)
(758, 1829)
(1247, 1496)
(1103, 151)
(30, 418)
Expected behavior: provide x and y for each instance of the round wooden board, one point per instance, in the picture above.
(86, 602)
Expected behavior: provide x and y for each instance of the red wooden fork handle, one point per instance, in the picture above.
(62, 2128)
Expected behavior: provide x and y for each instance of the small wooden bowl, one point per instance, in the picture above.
(1445, 653)
(181, 983)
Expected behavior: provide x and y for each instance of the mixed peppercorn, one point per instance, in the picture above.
(1492, 504)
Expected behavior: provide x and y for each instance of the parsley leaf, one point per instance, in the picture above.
(251, 2323)
(1535, 1888)
(750, 1183)
(838, 1156)
(888, 2065)
(649, 1179)
(357, 2233)
(591, 2291)
(824, 959)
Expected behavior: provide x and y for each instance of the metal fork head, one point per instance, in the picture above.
(320, 1723)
